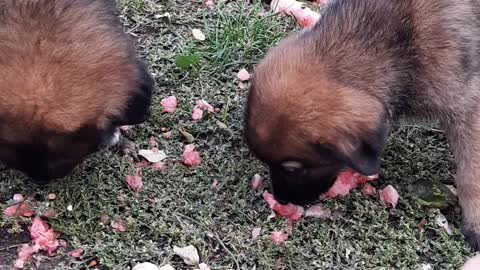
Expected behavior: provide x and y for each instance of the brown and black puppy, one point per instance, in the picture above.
(69, 77)
(324, 99)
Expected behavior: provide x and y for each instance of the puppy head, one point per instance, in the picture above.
(307, 127)
(65, 93)
(44, 154)
(48, 142)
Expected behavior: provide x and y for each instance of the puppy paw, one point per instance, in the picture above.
(472, 236)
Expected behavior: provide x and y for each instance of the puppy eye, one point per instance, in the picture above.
(292, 166)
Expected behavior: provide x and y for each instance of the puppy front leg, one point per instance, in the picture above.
(465, 141)
(468, 184)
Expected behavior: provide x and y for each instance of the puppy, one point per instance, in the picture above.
(69, 77)
(323, 100)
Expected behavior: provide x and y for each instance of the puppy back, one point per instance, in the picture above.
(63, 63)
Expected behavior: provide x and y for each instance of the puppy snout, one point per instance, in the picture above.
(280, 200)
(300, 189)
(39, 180)
(45, 173)
(60, 169)
(45, 176)
(300, 199)
(285, 194)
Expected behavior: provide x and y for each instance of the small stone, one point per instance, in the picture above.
(256, 233)
(214, 185)
(167, 267)
(104, 219)
(426, 266)
(189, 254)
(145, 266)
(18, 198)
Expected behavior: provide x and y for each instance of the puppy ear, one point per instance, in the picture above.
(138, 107)
(366, 156)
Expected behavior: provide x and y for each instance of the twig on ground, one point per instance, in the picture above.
(234, 258)
(10, 247)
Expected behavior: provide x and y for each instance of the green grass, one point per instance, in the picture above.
(178, 207)
(237, 36)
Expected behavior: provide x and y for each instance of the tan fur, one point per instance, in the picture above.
(64, 66)
(295, 100)
(68, 78)
(338, 82)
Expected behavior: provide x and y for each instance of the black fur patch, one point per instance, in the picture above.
(138, 108)
(300, 188)
(367, 157)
